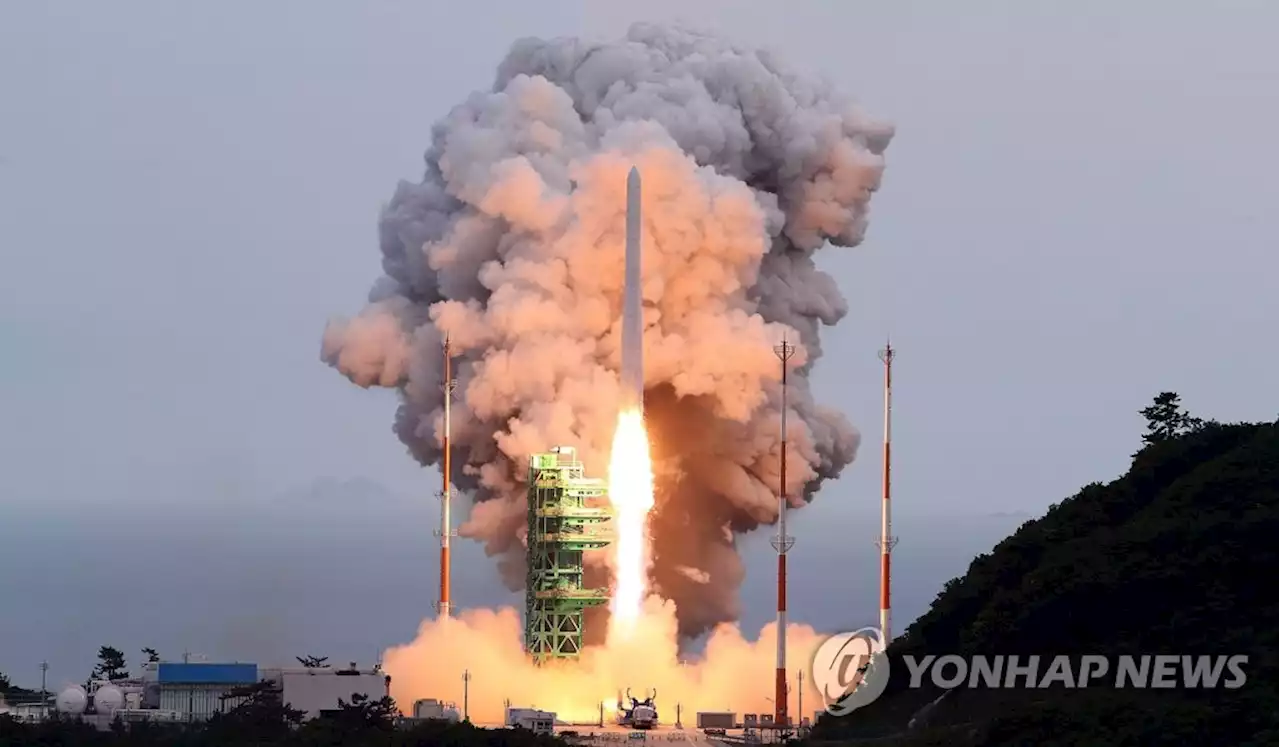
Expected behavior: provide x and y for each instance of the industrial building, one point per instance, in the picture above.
(316, 691)
(32, 710)
(566, 514)
(196, 691)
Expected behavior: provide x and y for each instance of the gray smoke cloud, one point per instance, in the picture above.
(512, 244)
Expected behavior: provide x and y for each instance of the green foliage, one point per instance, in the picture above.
(111, 665)
(353, 721)
(1176, 556)
(1166, 419)
(152, 655)
(313, 662)
(260, 714)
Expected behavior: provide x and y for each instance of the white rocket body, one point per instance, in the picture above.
(632, 313)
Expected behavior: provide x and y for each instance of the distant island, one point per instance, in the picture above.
(1176, 557)
(1007, 515)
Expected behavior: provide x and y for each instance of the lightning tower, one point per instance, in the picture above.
(886, 541)
(782, 543)
(445, 532)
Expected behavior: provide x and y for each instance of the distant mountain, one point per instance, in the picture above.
(1008, 515)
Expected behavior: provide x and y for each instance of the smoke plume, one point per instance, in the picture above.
(733, 675)
(512, 245)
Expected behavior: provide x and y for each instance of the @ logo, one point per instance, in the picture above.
(850, 670)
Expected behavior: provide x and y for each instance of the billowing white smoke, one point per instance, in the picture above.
(733, 674)
(512, 245)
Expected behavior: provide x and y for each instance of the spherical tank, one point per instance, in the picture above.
(72, 700)
(108, 698)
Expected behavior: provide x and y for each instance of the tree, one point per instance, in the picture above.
(151, 654)
(259, 713)
(313, 662)
(5, 684)
(111, 665)
(359, 721)
(1166, 419)
(366, 713)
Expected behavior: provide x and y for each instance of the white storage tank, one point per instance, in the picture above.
(108, 699)
(72, 701)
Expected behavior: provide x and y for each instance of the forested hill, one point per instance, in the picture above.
(1177, 556)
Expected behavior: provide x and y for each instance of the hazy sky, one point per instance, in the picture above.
(1078, 211)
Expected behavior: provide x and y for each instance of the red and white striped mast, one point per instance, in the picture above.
(887, 540)
(445, 532)
(782, 543)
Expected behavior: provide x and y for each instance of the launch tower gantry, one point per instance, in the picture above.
(562, 525)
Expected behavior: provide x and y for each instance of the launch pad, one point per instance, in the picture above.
(563, 524)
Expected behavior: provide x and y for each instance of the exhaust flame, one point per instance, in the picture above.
(631, 493)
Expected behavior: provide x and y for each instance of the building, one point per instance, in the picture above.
(28, 710)
(317, 690)
(536, 721)
(196, 691)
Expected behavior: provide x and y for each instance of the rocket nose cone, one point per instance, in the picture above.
(633, 177)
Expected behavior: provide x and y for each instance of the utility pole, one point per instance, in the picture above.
(800, 698)
(44, 692)
(466, 687)
(782, 543)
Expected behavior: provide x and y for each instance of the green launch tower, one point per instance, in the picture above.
(561, 527)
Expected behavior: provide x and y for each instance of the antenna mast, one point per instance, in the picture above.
(887, 541)
(782, 543)
(445, 532)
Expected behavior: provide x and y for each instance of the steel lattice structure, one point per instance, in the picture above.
(563, 524)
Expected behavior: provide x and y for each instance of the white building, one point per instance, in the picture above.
(431, 708)
(536, 721)
(29, 711)
(315, 691)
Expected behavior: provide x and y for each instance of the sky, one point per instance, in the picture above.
(1078, 212)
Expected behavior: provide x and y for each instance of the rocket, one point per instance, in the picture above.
(632, 316)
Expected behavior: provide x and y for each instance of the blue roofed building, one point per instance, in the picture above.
(197, 690)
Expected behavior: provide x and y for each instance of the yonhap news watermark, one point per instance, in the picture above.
(851, 670)
(1157, 671)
